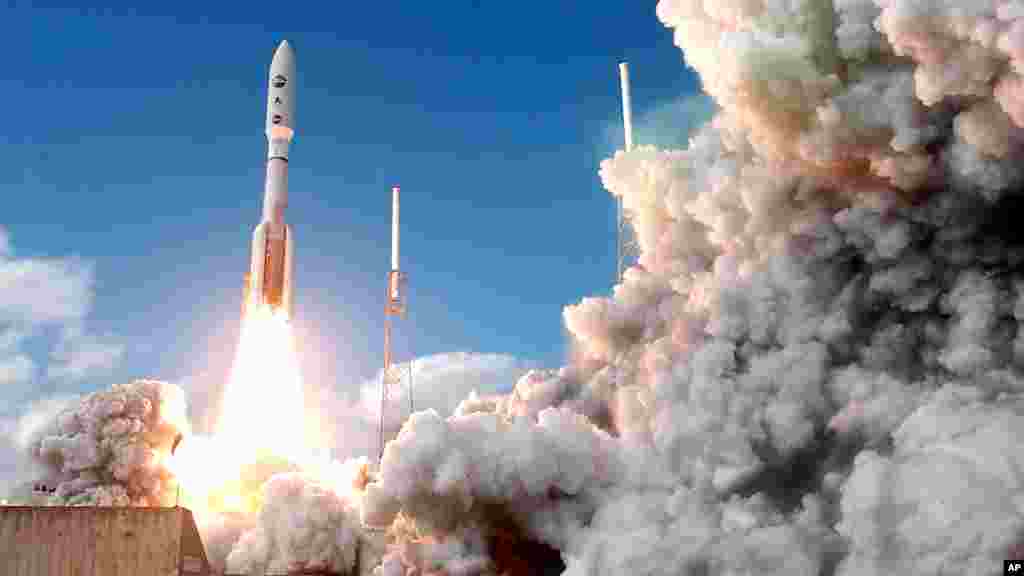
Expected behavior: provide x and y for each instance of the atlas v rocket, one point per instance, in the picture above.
(269, 280)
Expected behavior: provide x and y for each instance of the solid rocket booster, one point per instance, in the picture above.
(269, 280)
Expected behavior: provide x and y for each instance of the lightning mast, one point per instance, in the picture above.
(625, 245)
(395, 306)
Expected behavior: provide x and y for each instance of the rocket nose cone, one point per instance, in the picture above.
(284, 49)
(283, 64)
(281, 94)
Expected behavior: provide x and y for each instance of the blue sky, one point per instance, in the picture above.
(134, 140)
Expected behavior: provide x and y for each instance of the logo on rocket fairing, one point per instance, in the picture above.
(278, 81)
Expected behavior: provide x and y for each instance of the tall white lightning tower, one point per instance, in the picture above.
(395, 306)
(625, 246)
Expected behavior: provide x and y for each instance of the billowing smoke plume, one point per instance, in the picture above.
(113, 448)
(109, 448)
(274, 513)
(815, 365)
(303, 524)
(257, 512)
(16, 436)
(813, 369)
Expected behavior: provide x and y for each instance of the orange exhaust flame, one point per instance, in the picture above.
(263, 402)
(262, 425)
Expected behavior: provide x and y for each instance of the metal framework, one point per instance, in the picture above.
(395, 307)
(626, 248)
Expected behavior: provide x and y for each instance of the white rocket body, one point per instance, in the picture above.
(269, 280)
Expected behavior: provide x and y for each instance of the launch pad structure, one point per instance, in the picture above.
(100, 541)
(626, 248)
(395, 307)
(117, 541)
(396, 303)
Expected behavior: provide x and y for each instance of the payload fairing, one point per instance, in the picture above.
(269, 280)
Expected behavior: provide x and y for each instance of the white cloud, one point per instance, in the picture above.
(15, 369)
(440, 382)
(39, 295)
(10, 339)
(79, 355)
(35, 291)
(10, 464)
(668, 124)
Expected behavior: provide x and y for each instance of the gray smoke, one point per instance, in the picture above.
(108, 448)
(111, 448)
(301, 525)
(815, 366)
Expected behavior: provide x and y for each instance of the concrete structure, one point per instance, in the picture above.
(100, 541)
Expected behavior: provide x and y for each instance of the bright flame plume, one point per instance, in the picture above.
(262, 424)
(263, 402)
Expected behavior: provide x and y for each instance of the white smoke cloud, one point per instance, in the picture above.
(109, 448)
(309, 514)
(950, 492)
(17, 468)
(815, 366)
(302, 524)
